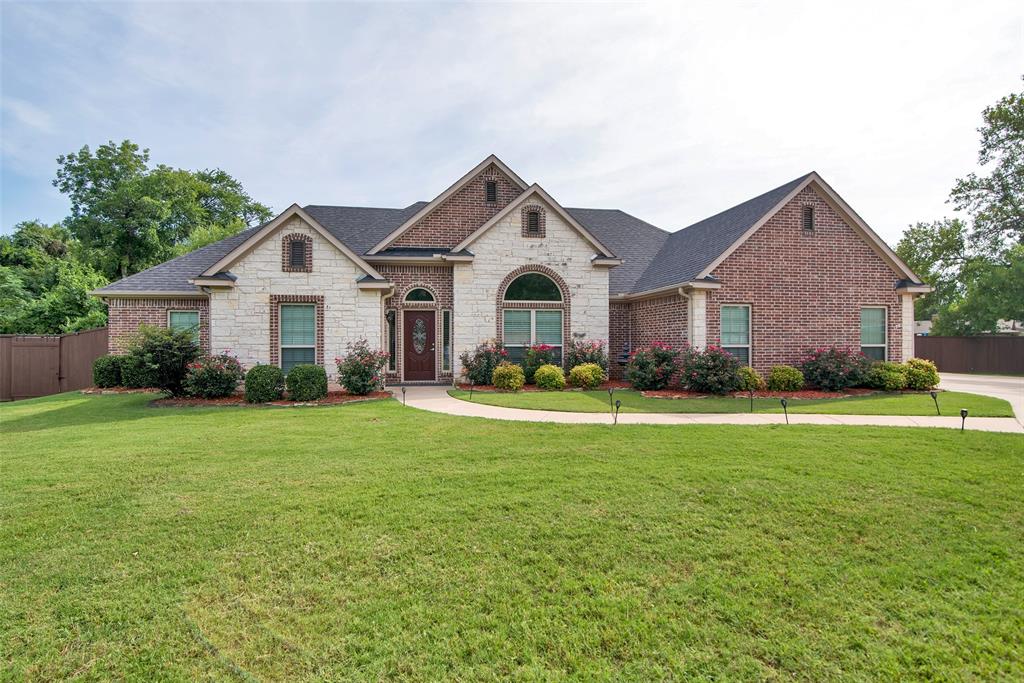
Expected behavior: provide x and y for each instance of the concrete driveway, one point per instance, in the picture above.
(1000, 386)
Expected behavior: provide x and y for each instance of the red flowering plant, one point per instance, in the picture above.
(712, 370)
(478, 365)
(583, 352)
(362, 369)
(834, 369)
(213, 376)
(652, 367)
(536, 356)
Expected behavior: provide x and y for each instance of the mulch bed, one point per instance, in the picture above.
(805, 393)
(614, 384)
(333, 398)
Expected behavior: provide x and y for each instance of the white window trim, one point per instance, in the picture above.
(533, 327)
(749, 346)
(282, 346)
(447, 339)
(199, 319)
(885, 331)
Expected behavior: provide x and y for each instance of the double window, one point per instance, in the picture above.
(873, 332)
(525, 326)
(736, 331)
(298, 335)
(184, 320)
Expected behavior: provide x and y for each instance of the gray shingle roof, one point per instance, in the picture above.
(651, 257)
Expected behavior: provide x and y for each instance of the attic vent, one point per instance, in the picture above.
(297, 254)
(808, 219)
(491, 191)
(533, 221)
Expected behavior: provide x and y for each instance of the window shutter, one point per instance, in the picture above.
(517, 327)
(549, 327)
(298, 325)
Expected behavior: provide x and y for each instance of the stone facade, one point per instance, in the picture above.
(240, 317)
(503, 249)
(125, 315)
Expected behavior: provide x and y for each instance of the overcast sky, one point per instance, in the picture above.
(671, 112)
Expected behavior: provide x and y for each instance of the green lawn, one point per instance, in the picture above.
(372, 541)
(950, 403)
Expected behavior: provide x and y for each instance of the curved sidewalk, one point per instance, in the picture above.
(436, 399)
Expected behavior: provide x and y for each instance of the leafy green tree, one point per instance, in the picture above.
(129, 217)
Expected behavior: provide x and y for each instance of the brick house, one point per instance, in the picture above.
(493, 257)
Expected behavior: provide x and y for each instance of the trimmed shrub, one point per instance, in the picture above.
(508, 377)
(264, 383)
(834, 369)
(479, 364)
(587, 352)
(136, 374)
(213, 376)
(750, 379)
(550, 377)
(362, 370)
(306, 383)
(711, 371)
(586, 376)
(887, 376)
(922, 374)
(106, 371)
(652, 367)
(160, 357)
(785, 378)
(537, 356)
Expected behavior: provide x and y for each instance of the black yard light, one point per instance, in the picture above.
(935, 397)
(611, 406)
(751, 400)
(618, 404)
(963, 418)
(472, 383)
(403, 396)
(785, 403)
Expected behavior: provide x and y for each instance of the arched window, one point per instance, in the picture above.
(419, 295)
(526, 327)
(533, 287)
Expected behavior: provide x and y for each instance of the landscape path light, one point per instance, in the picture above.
(963, 418)
(403, 396)
(785, 403)
(618, 404)
(611, 406)
(935, 397)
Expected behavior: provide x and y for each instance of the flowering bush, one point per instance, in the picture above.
(508, 377)
(264, 383)
(536, 356)
(785, 378)
(550, 377)
(478, 365)
(750, 379)
(106, 371)
(584, 352)
(887, 376)
(213, 376)
(921, 374)
(586, 376)
(362, 369)
(306, 383)
(159, 357)
(652, 367)
(711, 370)
(834, 369)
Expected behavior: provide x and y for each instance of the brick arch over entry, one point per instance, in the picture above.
(565, 305)
(436, 303)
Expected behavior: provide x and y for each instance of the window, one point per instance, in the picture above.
(736, 331)
(873, 333)
(389, 318)
(297, 253)
(533, 287)
(298, 335)
(524, 328)
(419, 294)
(184, 320)
(446, 341)
(533, 221)
(491, 191)
(808, 218)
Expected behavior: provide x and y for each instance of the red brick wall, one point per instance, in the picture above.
(125, 315)
(462, 213)
(438, 281)
(618, 335)
(805, 289)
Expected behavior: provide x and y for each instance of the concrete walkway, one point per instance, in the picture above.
(1000, 386)
(436, 399)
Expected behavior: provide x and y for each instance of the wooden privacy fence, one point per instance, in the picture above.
(35, 365)
(1001, 355)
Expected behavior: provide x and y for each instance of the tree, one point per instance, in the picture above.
(129, 217)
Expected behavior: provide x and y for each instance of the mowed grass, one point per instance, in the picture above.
(372, 541)
(950, 403)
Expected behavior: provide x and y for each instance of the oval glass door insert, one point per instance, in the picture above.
(419, 335)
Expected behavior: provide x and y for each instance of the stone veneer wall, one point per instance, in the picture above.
(240, 318)
(125, 315)
(503, 249)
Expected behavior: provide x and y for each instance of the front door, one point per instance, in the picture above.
(418, 348)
